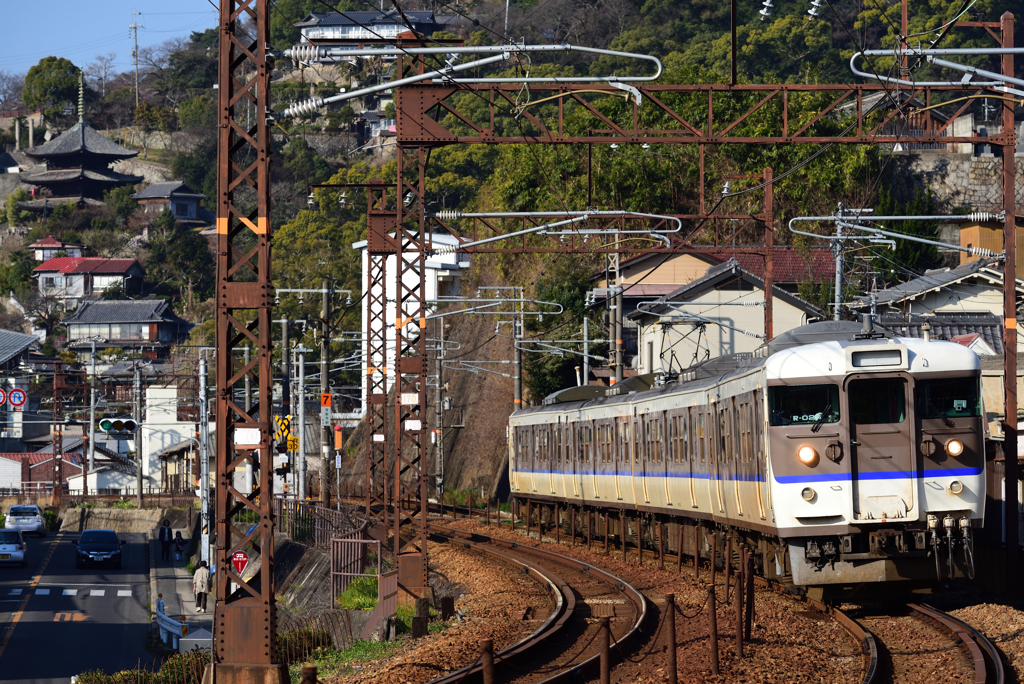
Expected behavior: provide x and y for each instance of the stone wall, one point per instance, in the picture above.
(963, 180)
(147, 520)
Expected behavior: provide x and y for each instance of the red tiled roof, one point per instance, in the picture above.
(48, 241)
(788, 265)
(35, 459)
(85, 265)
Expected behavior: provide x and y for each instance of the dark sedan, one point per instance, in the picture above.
(98, 547)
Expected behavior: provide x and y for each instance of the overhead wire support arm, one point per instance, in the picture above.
(314, 53)
(849, 223)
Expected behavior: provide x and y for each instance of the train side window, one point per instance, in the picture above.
(625, 441)
(702, 438)
(723, 436)
(661, 441)
(684, 441)
(637, 438)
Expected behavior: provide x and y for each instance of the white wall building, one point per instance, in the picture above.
(443, 279)
(162, 430)
(720, 313)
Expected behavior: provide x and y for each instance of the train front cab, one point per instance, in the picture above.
(878, 473)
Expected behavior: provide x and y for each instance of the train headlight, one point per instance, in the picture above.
(807, 455)
(807, 494)
(954, 448)
(956, 486)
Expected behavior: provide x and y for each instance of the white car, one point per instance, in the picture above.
(12, 548)
(27, 519)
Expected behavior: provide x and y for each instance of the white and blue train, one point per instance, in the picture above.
(844, 455)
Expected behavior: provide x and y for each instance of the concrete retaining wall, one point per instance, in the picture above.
(122, 519)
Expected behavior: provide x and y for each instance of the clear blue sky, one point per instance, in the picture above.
(80, 30)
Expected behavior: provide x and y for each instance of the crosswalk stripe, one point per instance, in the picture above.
(97, 592)
(70, 592)
(15, 592)
(42, 592)
(124, 592)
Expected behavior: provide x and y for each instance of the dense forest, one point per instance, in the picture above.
(313, 236)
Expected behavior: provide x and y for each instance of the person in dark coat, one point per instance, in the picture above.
(166, 537)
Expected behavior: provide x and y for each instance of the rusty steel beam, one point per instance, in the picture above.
(245, 614)
(689, 114)
(380, 224)
(410, 474)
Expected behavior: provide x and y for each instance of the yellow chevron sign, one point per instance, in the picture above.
(283, 426)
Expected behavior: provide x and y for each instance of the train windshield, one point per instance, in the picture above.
(949, 398)
(803, 404)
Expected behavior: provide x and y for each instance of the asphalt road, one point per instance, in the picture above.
(58, 621)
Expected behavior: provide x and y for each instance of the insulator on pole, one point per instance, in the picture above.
(305, 107)
(448, 214)
(305, 53)
(981, 216)
(981, 251)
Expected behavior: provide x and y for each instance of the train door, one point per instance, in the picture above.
(759, 451)
(647, 455)
(738, 451)
(673, 460)
(621, 453)
(690, 453)
(572, 457)
(636, 457)
(881, 436)
(718, 418)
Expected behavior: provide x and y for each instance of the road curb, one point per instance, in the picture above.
(152, 580)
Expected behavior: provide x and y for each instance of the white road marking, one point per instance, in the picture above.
(97, 592)
(124, 592)
(42, 592)
(15, 592)
(70, 592)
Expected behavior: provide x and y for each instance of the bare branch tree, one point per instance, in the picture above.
(100, 72)
(11, 85)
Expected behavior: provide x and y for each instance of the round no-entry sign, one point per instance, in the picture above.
(17, 397)
(239, 559)
(3, 397)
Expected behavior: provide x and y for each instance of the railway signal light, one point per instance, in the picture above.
(119, 427)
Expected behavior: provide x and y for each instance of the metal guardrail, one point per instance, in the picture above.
(311, 524)
(170, 628)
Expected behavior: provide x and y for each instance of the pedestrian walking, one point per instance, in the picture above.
(165, 541)
(201, 584)
(179, 546)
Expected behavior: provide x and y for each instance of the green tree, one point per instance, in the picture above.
(121, 202)
(16, 216)
(197, 112)
(304, 164)
(179, 262)
(198, 168)
(151, 117)
(51, 84)
(912, 257)
(16, 272)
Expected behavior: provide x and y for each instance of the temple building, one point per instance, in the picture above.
(77, 168)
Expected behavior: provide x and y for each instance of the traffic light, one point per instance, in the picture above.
(119, 427)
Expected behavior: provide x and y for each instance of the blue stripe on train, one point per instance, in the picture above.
(783, 479)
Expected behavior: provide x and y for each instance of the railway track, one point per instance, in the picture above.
(583, 594)
(919, 643)
(871, 670)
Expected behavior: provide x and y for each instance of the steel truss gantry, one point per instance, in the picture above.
(244, 623)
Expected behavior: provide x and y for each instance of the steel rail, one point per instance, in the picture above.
(988, 666)
(634, 596)
(565, 607)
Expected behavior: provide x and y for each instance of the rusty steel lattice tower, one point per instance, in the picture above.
(244, 619)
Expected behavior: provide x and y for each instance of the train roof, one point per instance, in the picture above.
(785, 355)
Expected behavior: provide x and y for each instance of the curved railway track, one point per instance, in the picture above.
(866, 640)
(582, 591)
(983, 654)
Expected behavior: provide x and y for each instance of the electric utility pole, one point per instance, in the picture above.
(325, 425)
(301, 465)
(137, 414)
(839, 265)
(134, 28)
(92, 421)
(439, 407)
(204, 461)
(57, 449)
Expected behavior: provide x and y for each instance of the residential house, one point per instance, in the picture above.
(973, 288)
(16, 422)
(717, 314)
(50, 247)
(146, 325)
(369, 26)
(72, 279)
(647, 277)
(178, 198)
